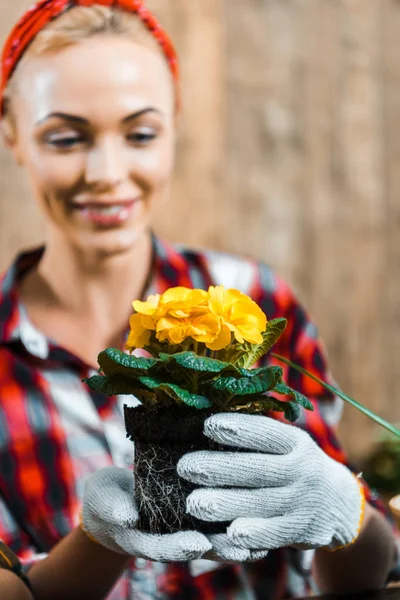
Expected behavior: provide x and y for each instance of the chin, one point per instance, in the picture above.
(112, 243)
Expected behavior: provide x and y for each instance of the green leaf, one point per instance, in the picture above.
(146, 389)
(113, 386)
(260, 383)
(299, 398)
(175, 392)
(115, 362)
(191, 360)
(252, 372)
(253, 353)
(191, 370)
(291, 410)
(267, 403)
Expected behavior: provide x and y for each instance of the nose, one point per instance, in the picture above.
(105, 164)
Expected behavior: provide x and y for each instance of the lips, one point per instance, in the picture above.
(105, 213)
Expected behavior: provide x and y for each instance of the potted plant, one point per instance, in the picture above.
(202, 347)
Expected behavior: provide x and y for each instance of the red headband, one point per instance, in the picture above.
(37, 17)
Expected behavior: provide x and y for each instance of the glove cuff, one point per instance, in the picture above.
(335, 546)
(86, 532)
(104, 539)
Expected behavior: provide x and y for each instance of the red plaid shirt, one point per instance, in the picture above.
(54, 432)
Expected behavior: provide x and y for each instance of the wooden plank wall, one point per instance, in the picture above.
(289, 152)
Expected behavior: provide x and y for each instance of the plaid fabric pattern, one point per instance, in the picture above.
(54, 432)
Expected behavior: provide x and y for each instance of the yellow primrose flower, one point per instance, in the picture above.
(201, 327)
(208, 317)
(240, 315)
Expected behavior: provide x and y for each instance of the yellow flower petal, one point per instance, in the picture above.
(174, 330)
(167, 323)
(176, 294)
(240, 314)
(148, 307)
(222, 340)
(248, 311)
(176, 335)
(148, 322)
(139, 336)
(248, 333)
(205, 328)
(179, 314)
(217, 299)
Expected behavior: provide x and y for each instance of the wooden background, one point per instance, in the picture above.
(289, 152)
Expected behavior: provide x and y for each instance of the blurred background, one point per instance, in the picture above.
(289, 152)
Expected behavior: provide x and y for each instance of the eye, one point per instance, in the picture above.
(64, 140)
(142, 136)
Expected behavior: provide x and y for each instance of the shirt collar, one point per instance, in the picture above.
(169, 269)
(10, 315)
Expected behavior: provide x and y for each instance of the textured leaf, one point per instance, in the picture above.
(180, 394)
(190, 360)
(263, 382)
(112, 386)
(233, 371)
(175, 392)
(265, 403)
(299, 398)
(115, 362)
(252, 372)
(291, 410)
(190, 370)
(273, 332)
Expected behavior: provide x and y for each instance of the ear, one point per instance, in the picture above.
(9, 133)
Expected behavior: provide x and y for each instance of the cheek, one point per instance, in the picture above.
(154, 167)
(54, 174)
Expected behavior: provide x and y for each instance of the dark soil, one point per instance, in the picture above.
(161, 438)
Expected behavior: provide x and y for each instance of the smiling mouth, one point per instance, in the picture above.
(105, 213)
(104, 204)
(105, 209)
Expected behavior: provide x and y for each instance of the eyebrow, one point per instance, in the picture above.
(83, 121)
(135, 115)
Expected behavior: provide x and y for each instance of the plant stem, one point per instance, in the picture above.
(341, 395)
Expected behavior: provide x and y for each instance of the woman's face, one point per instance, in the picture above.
(95, 131)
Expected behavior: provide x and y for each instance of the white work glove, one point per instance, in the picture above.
(109, 516)
(285, 492)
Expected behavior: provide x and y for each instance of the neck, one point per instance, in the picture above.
(99, 288)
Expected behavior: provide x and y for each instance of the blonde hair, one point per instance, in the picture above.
(72, 27)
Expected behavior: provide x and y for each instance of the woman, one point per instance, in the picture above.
(90, 104)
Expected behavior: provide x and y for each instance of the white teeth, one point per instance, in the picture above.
(109, 210)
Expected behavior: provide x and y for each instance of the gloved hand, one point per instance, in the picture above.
(109, 515)
(285, 492)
